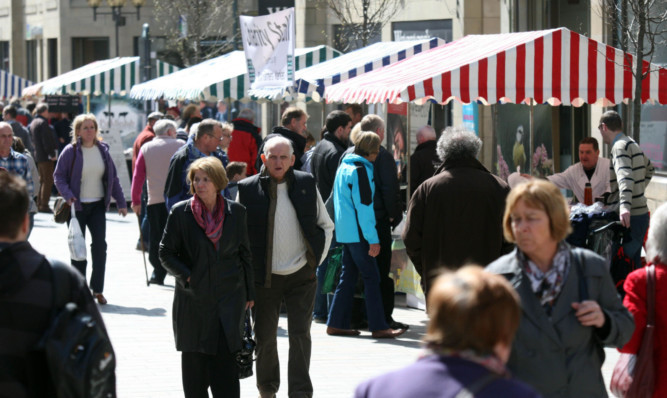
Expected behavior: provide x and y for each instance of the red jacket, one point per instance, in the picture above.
(635, 301)
(243, 147)
(145, 136)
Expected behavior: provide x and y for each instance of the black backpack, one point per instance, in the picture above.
(78, 353)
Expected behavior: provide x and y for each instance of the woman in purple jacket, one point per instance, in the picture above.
(86, 177)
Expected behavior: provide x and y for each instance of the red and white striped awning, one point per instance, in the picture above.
(556, 66)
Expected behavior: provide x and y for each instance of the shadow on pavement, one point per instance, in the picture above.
(119, 309)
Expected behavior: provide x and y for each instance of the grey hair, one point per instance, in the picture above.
(247, 113)
(458, 143)
(426, 132)
(656, 244)
(275, 141)
(163, 126)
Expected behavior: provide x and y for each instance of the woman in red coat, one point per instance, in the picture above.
(635, 299)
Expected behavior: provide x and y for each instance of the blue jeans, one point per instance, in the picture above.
(321, 309)
(93, 216)
(145, 223)
(633, 248)
(355, 260)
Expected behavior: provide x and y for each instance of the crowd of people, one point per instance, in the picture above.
(246, 224)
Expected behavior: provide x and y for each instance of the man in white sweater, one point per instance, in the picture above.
(290, 232)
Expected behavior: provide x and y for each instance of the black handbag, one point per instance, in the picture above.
(246, 355)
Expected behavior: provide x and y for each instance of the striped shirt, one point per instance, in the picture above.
(17, 163)
(629, 173)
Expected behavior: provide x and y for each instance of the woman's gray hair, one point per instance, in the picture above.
(656, 243)
(458, 143)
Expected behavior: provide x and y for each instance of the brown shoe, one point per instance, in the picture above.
(100, 298)
(387, 333)
(342, 332)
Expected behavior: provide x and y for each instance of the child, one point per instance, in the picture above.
(236, 171)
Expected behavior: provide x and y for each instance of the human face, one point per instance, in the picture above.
(356, 117)
(588, 156)
(87, 133)
(278, 161)
(204, 187)
(299, 125)
(345, 131)
(607, 136)
(211, 141)
(531, 229)
(226, 139)
(6, 138)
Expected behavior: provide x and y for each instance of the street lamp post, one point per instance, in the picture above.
(117, 15)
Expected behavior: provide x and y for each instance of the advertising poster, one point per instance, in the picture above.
(419, 117)
(654, 142)
(397, 118)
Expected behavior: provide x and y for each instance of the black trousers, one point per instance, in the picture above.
(93, 216)
(157, 219)
(383, 260)
(201, 371)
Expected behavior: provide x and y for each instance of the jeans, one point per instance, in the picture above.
(633, 248)
(201, 371)
(93, 216)
(145, 224)
(157, 219)
(298, 292)
(384, 266)
(321, 309)
(356, 260)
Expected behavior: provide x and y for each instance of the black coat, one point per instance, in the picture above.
(220, 281)
(298, 145)
(423, 163)
(325, 160)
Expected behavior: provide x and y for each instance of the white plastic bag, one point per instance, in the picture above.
(76, 240)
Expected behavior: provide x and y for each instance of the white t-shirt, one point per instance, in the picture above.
(92, 188)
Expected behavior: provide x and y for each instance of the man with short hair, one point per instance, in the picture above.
(209, 136)
(245, 140)
(590, 168)
(293, 127)
(455, 217)
(9, 115)
(23, 116)
(207, 111)
(630, 173)
(145, 136)
(221, 114)
(26, 298)
(152, 167)
(16, 163)
(356, 113)
(424, 160)
(291, 233)
(46, 147)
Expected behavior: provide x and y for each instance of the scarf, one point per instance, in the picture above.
(547, 285)
(210, 222)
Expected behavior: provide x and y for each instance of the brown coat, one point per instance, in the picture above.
(455, 217)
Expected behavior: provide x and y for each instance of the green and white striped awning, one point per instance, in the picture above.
(116, 75)
(223, 77)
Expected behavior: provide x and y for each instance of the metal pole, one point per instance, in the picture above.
(116, 18)
(532, 138)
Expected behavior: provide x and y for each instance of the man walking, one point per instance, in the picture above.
(630, 173)
(291, 233)
(424, 160)
(293, 127)
(455, 217)
(46, 146)
(152, 167)
(9, 114)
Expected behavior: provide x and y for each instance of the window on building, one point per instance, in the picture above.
(419, 30)
(52, 48)
(88, 49)
(31, 60)
(4, 55)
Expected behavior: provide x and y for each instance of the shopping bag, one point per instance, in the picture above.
(332, 276)
(76, 240)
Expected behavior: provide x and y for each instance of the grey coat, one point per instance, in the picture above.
(559, 357)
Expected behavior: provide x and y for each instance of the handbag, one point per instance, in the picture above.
(634, 375)
(76, 240)
(246, 355)
(61, 210)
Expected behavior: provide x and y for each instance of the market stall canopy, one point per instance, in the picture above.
(316, 78)
(115, 75)
(223, 77)
(557, 66)
(12, 85)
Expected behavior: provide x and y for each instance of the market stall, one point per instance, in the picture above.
(12, 85)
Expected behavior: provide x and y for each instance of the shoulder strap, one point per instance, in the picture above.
(478, 385)
(650, 295)
(62, 285)
(583, 283)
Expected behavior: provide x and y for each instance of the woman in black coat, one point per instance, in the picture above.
(205, 246)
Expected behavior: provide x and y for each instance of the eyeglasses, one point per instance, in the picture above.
(219, 139)
(600, 126)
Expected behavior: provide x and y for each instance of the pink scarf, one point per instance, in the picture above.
(210, 222)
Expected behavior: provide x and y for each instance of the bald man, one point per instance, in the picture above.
(424, 160)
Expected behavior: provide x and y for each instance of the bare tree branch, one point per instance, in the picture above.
(361, 20)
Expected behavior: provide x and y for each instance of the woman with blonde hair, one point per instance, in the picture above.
(570, 305)
(86, 177)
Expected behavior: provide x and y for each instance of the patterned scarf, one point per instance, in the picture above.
(547, 285)
(210, 222)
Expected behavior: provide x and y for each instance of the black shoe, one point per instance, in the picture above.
(155, 281)
(398, 325)
(319, 319)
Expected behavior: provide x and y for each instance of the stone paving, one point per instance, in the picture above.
(139, 322)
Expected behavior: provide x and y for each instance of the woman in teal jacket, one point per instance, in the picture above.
(355, 229)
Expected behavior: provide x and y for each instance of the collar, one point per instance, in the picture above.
(195, 151)
(465, 162)
(618, 137)
(332, 138)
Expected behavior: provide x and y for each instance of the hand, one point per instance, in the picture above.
(136, 209)
(71, 201)
(374, 250)
(589, 313)
(249, 304)
(625, 218)
(123, 211)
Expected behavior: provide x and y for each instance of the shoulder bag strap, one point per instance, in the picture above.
(61, 285)
(583, 283)
(650, 295)
(478, 385)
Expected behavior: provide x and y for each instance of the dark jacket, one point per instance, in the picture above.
(423, 163)
(26, 305)
(245, 141)
(43, 138)
(221, 281)
(560, 357)
(324, 162)
(298, 145)
(258, 195)
(456, 217)
(23, 134)
(440, 377)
